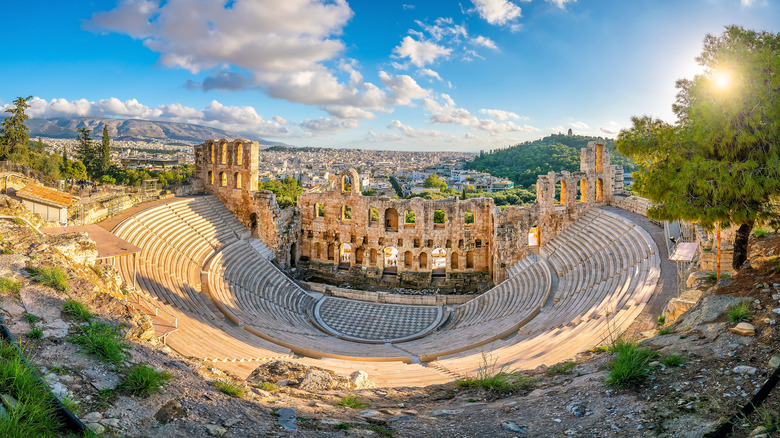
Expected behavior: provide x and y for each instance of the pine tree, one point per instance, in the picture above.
(720, 163)
(14, 132)
(86, 151)
(105, 153)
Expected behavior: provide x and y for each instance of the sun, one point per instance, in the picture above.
(721, 79)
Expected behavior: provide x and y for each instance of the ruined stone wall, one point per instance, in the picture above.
(635, 204)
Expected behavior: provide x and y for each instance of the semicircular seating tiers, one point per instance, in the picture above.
(201, 265)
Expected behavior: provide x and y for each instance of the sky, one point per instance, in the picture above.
(395, 75)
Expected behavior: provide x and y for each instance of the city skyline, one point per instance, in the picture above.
(411, 75)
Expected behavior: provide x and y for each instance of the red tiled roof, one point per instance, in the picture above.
(45, 195)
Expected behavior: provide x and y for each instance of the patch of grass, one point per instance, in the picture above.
(672, 360)
(228, 387)
(18, 221)
(267, 386)
(6, 251)
(143, 380)
(499, 380)
(8, 285)
(103, 341)
(34, 415)
(739, 312)
(30, 318)
(71, 405)
(381, 431)
(342, 426)
(353, 402)
(104, 396)
(770, 421)
(661, 320)
(665, 331)
(560, 368)
(77, 311)
(630, 365)
(55, 278)
(35, 333)
(760, 233)
(60, 370)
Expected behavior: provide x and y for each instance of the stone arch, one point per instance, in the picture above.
(391, 219)
(373, 216)
(599, 158)
(211, 152)
(237, 178)
(448, 244)
(346, 183)
(223, 179)
(391, 260)
(470, 260)
(346, 213)
(331, 252)
(409, 218)
(292, 255)
(583, 190)
(454, 261)
(223, 157)
(239, 153)
(439, 261)
(372, 257)
(533, 236)
(318, 250)
(319, 210)
(345, 255)
(253, 222)
(423, 260)
(469, 218)
(599, 190)
(439, 219)
(359, 255)
(478, 243)
(211, 176)
(408, 259)
(560, 192)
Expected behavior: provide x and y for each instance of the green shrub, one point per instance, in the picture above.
(267, 386)
(342, 426)
(739, 312)
(143, 380)
(352, 401)
(229, 387)
(760, 233)
(673, 360)
(380, 430)
(52, 277)
(630, 365)
(661, 320)
(6, 251)
(8, 285)
(77, 311)
(495, 379)
(30, 318)
(103, 341)
(34, 415)
(560, 368)
(665, 331)
(35, 333)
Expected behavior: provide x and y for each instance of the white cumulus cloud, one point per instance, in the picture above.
(498, 12)
(562, 3)
(420, 53)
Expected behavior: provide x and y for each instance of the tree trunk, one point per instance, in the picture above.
(741, 244)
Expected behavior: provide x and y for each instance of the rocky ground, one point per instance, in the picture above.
(722, 370)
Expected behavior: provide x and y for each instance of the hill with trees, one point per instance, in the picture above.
(523, 162)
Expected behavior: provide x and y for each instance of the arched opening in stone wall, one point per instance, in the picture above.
(346, 184)
(372, 258)
(345, 255)
(211, 176)
(408, 259)
(599, 158)
(582, 192)
(391, 219)
(223, 158)
(359, 256)
(331, 252)
(253, 222)
(292, 255)
(306, 250)
(346, 213)
(454, 261)
(239, 154)
(478, 243)
(533, 236)
(318, 251)
(319, 210)
(211, 152)
(423, 260)
(391, 260)
(439, 262)
(560, 192)
(373, 216)
(439, 219)
(448, 244)
(223, 179)
(469, 219)
(237, 177)
(470, 260)
(599, 190)
(409, 218)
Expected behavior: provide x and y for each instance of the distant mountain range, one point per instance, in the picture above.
(131, 129)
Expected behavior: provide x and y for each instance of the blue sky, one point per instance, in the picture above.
(405, 75)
